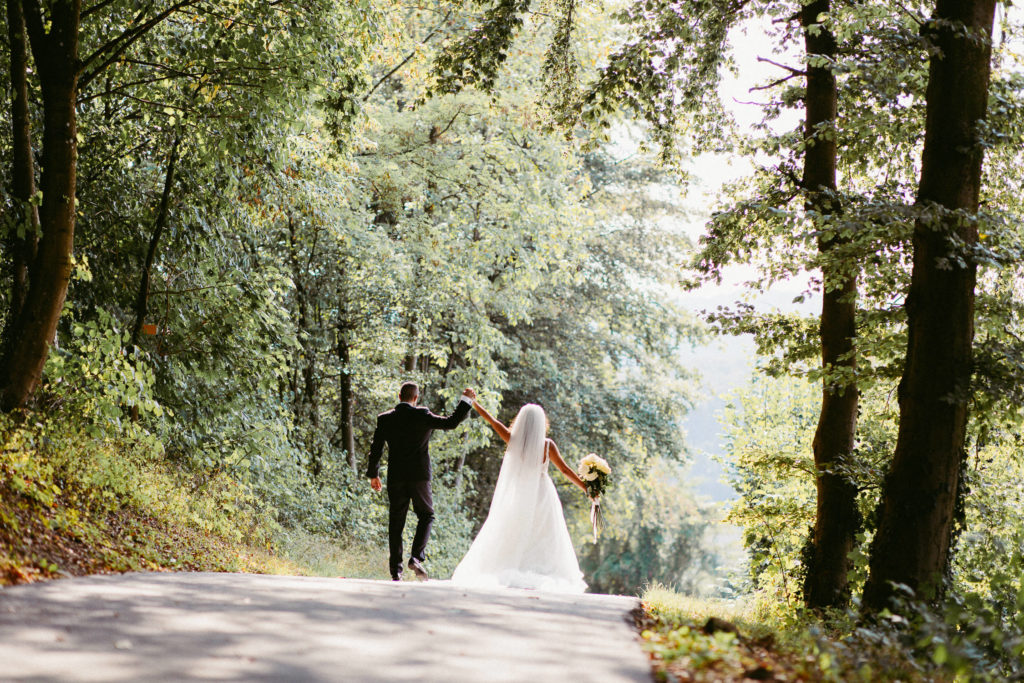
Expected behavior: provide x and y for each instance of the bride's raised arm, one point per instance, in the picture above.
(556, 458)
(501, 429)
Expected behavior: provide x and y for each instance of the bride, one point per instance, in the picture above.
(524, 542)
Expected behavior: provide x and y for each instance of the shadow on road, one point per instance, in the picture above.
(251, 627)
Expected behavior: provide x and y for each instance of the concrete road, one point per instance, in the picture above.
(171, 627)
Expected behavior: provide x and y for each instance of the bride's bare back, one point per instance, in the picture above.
(551, 448)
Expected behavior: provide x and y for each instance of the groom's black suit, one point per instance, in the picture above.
(407, 430)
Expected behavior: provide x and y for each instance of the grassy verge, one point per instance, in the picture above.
(35, 548)
(72, 504)
(315, 555)
(693, 639)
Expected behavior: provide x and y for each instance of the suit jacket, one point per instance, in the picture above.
(406, 430)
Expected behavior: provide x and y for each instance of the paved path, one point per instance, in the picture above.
(250, 627)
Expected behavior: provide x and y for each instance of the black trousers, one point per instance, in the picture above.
(400, 494)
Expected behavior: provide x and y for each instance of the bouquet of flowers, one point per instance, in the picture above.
(594, 471)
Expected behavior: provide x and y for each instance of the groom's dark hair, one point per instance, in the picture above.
(408, 392)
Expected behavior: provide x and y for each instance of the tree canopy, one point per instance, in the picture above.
(277, 224)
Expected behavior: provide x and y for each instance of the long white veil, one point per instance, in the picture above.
(525, 460)
(524, 541)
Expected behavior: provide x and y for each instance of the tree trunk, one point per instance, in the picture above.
(837, 521)
(460, 464)
(348, 436)
(307, 394)
(410, 363)
(919, 498)
(163, 210)
(23, 175)
(29, 337)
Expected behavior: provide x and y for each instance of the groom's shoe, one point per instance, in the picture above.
(415, 565)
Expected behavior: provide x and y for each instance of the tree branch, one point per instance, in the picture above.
(388, 75)
(34, 27)
(407, 58)
(795, 16)
(96, 8)
(132, 84)
(119, 45)
(774, 103)
(774, 83)
(447, 127)
(795, 72)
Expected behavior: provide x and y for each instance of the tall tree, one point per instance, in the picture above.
(25, 234)
(54, 43)
(837, 519)
(54, 33)
(919, 499)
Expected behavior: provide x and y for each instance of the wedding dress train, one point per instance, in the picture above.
(524, 542)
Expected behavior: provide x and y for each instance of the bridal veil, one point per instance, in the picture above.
(524, 542)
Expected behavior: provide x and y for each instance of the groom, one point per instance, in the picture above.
(407, 430)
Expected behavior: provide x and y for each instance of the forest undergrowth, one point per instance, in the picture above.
(696, 639)
(73, 504)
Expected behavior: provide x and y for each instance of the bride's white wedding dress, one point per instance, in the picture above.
(524, 542)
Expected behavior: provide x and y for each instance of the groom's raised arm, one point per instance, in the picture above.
(457, 416)
(376, 452)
